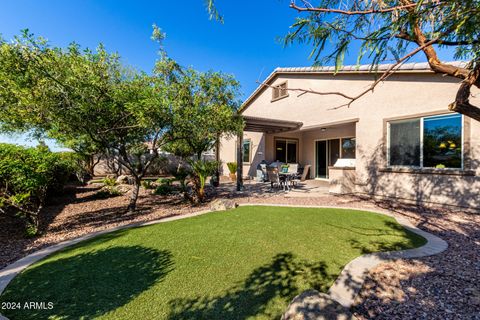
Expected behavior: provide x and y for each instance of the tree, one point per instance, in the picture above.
(84, 97)
(206, 110)
(386, 30)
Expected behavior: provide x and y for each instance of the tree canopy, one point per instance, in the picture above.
(395, 31)
(84, 98)
(392, 31)
(87, 100)
(207, 109)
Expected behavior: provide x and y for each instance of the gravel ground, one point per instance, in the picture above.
(77, 212)
(445, 286)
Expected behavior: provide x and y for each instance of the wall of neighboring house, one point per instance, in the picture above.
(403, 95)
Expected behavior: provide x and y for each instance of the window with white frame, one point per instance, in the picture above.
(426, 142)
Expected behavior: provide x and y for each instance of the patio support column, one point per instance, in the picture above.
(240, 161)
(217, 158)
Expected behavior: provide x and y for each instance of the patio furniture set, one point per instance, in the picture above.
(285, 176)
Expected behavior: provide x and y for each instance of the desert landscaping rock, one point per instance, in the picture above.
(124, 179)
(222, 204)
(313, 305)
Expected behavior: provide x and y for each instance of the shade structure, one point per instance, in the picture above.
(256, 124)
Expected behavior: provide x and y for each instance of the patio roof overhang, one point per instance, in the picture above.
(256, 124)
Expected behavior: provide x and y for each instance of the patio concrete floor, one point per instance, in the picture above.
(307, 188)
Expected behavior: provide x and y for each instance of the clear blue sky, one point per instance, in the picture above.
(246, 45)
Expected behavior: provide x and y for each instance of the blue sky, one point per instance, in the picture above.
(246, 45)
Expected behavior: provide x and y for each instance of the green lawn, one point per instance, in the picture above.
(244, 263)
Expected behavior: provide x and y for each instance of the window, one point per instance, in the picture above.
(405, 143)
(348, 148)
(442, 142)
(286, 150)
(279, 91)
(429, 142)
(246, 150)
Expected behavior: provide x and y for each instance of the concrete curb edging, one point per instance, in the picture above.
(350, 281)
(344, 290)
(12, 270)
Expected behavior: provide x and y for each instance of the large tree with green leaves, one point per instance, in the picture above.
(205, 110)
(392, 31)
(87, 97)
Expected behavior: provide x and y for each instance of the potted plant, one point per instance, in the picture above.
(232, 167)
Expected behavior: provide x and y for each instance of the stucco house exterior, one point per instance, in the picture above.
(404, 141)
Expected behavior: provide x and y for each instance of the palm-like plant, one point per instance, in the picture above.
(201, 169)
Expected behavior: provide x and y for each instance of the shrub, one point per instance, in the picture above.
(232, 167)
(77, 166)
(181, 175)
(27, 177)
(109, 181)
(108, 192)
(166, 181)
(164, 189)
(201, 170)
(148, 184)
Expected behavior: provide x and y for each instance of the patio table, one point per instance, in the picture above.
(288, 177)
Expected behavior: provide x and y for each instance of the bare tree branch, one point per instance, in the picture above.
(310, 8)
(385, 75)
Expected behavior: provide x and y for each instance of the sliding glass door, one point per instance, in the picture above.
(321, 152)
(327, 153)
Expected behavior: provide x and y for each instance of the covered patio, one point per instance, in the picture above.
(262, 125)
(326, 152)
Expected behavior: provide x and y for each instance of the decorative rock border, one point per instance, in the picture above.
(340, 296)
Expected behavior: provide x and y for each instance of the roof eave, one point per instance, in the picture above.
(331, 71)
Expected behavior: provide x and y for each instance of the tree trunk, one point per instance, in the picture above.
(240, 162)
(132, 205)
(462, 100)
(217, 158)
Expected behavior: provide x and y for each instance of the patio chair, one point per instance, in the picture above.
(306, 172)
(274, 178)
(293, 169)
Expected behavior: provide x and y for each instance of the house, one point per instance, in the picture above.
(405, 142)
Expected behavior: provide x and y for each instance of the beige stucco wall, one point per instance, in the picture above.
(228, 152)
(310, 136)
(408, 94)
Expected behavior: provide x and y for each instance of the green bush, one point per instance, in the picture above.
(148, 184)
(108, 192)
(167, 181)
(164, 189)
(180, 175)
(109, 181)
(76, 166)
(27, 177)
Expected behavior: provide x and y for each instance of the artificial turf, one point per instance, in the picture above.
(244, 263)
